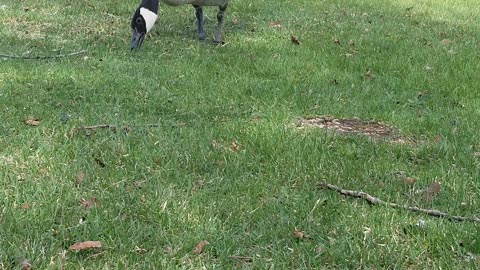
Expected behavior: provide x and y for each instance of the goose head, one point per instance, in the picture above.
(142, 22)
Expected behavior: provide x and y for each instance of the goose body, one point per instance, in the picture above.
(146, 15)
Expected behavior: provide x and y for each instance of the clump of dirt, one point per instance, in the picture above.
(371, 129)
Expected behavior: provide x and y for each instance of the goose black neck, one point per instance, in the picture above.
(151, 5)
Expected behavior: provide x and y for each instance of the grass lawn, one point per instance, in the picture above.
(224, 160)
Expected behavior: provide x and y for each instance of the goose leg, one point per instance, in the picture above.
(199, 16)
(218, 35)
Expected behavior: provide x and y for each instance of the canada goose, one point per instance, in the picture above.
(147, 12)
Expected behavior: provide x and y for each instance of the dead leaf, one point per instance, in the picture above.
(85, 245)
(351, 43)
(431, 191)
(319, 250)
(337, 41)
(32, 122)
(409, 180)
(275, 24)
(139, 183)
(199, 247)
(25, 265)
(300, 235)
(25, 206)
(446, 41)
(92, 202)
(235, 20)
(369, 75)
(199, 185)
(234, 147)
(43, 171)
(140, 250)
(294, 40)
(216, 145)
(80, 178)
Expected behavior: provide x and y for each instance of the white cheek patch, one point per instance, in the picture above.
(149, 16)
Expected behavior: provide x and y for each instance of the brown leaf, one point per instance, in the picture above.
(25, 265)
(294, 40)
(337, 41)
(80, 178)
(234, 147)
(431, 191)
(300, 235)
(199, 247)
(409, 180)
(139, 183)
(235, 20)
(85, 245)
(275, 24)
(26, 206)
(93, 202)
(32, 121)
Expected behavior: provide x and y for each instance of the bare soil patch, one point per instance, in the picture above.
(355, 126)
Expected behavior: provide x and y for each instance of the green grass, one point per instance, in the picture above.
(251, 91)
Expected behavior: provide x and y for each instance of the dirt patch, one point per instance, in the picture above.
(24, 28)
(371, 129)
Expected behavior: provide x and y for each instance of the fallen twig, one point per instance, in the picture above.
(242, 258)
(374, 200)
(12, 56)
(113, 128)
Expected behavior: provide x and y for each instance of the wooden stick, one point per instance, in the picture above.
(11, 56)
(374, 200)
(108, 126)
(242, 258)
(112, 126)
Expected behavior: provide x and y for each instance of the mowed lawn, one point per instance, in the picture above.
(207, 145)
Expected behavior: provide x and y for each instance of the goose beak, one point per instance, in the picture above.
(137, 39)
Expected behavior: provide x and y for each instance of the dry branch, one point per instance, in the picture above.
(12, 56)
(374, 200)
(242, 258)
(113, 128)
